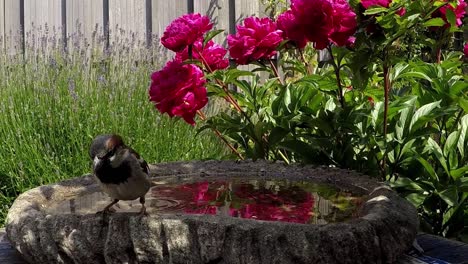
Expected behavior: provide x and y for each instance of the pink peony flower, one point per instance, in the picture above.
(375, 3)
(292, 30)
(325, 21)
(401, 11)
(213, 55)
(184, 31)
(178, 90)
(465, 50)
(316, 19)
(344, 23)
(256, 39)
(459, 11)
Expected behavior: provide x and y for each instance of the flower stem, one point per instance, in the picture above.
(336, 67)
(220, 136)
(386, 72)
(283, 157)
(275, 71)
(306, 63)
(228, 97)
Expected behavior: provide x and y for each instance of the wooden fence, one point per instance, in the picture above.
(26, 22)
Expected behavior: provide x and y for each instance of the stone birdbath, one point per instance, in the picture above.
(218, 212)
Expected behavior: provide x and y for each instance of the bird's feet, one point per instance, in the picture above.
(143, 210)
(106, 211)
(108, 208)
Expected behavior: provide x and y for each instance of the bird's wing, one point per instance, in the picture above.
(143, 163)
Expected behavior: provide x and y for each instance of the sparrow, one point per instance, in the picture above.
(120, 170)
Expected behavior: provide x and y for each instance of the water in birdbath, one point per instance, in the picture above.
(270, 200)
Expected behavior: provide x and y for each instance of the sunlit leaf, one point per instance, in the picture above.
(434, 22)
(451, 142)
(423, 111)
(407, 183)
(463, 135)
(375, 10)
(450, 195)
(437, 151)
(417, 199)
(210, 35)
(456, 174)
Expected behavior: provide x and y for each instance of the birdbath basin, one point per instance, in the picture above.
(218, 212)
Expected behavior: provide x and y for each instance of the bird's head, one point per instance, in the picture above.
(105, 147)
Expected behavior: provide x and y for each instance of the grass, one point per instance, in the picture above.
(52, 104)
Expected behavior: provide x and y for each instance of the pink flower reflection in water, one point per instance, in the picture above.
(289, 204)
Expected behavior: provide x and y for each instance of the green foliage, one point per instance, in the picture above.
(394, 105)
(52, 106)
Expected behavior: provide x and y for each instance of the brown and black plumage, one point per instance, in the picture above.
(119, 169)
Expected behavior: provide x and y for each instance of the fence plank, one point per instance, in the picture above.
(218, 11)
(12, 26)
(246, 8)
(164, 12)
(127, 19)
(84, 21)
(2, 25)
(42, 30)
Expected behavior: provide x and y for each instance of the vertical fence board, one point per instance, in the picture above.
(2, 25)
(42, 23)
(246, 8)
(81, 20)
(164, 12)
(218, 11)
(13, 26)
(84, 21)
(127, 19)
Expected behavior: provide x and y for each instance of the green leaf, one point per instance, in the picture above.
(378, 109)
(414, 74)
(437, 151)
(463, 134)
(457, 173)
(276, 135)
(423, 111)
(451, 18)
(434, 22)
(463, 104)
(417, 199)
(450, 195)
(300, 148)
(406, 183)
(403, 121)
(463, 185)
(211, 35)
(375, 10)
(330, 105)
(397, 70)
(233, 74)
(428, 168)
(451, 142)
(407, 148)
(287, 98)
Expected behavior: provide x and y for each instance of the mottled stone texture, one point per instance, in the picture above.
(385, 228)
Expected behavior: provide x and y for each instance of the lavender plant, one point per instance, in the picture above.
(54, 101)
